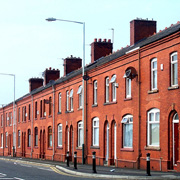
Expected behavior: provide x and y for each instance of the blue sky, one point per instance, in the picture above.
(29, 44)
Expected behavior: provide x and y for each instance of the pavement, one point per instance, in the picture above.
(103, 172)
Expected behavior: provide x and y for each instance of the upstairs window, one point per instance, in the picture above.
(154, 74)
(71, 99)
(67, 100)
(80, 96)
(174, 69)
(59, 107)
(1, 140)
(10, 119)
(6, 142)
(41, 109)
(44, 108)
(50, 107)
(19, 115)
(107, 90)
(36, 111)
(1, 120)
(29, 115)
(128, 88)
(95, 92)
(113, 82)
(153, 127)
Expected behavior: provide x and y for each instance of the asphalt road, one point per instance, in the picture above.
(31, 171)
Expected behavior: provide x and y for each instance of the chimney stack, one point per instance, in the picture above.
(140, 29)
(71, 64)
(51, 74)
(100, 48)
(35, 83)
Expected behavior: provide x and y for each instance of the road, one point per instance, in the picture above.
(17, 170)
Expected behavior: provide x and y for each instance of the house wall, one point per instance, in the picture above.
(111, 113)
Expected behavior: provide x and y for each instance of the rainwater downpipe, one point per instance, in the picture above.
(139, 108)
(53, 119)
(31, 125)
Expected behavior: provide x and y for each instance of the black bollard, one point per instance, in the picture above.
(94, 162)
(67, 157)
(75, 160)
(148, 165)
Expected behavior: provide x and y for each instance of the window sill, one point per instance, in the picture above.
(79, 148)
(109, 103)
(128, 99)
(49, 116)
(69, 111)
(94, 105)
(59, 147)
(28, 147)
(80, 108)
(50, 148)
(59, 113)
(153, 148)
(127, 149)
(153, 91)
(35, 147)
(94, 147)
(42, 118)
(173, 87)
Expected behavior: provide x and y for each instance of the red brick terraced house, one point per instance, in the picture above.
(131, 105)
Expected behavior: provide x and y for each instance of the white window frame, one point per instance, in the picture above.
(128, 88)
(29, 138)
(1, 140)
(154, 121)
(113, 82)
(19, 138)
(67, 100)
(95, 128)
(127, 121)
(153, 74)
(59, 135)
(80, 133)
(59, 103)
(107, 89)
(174, 79)
(71, 99)
(95, 93)
(80, 96)
(6, 143)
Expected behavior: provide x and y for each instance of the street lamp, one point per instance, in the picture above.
(14, 121)
(83, 64)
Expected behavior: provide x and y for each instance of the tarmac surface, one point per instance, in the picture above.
(103, 172)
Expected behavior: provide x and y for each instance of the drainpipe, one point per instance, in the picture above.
(32, 126)
(3, 130)
(53, 119)
(139, 109)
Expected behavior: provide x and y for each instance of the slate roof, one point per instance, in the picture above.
(160, 35)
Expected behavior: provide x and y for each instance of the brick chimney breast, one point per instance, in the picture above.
(71, 64)
(35, 83)
(51, 74)
(100, 48)
(140, 29)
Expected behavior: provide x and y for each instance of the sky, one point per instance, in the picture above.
(29, 44)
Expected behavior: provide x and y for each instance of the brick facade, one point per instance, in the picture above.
(131, 108)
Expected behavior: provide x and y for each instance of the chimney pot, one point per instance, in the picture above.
(99, 40)
(95, 40)
(109, 40)
(104, 40)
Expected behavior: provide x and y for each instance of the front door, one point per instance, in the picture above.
(175, 139)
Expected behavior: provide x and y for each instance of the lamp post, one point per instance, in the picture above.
(14, 121)
(83, 64)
